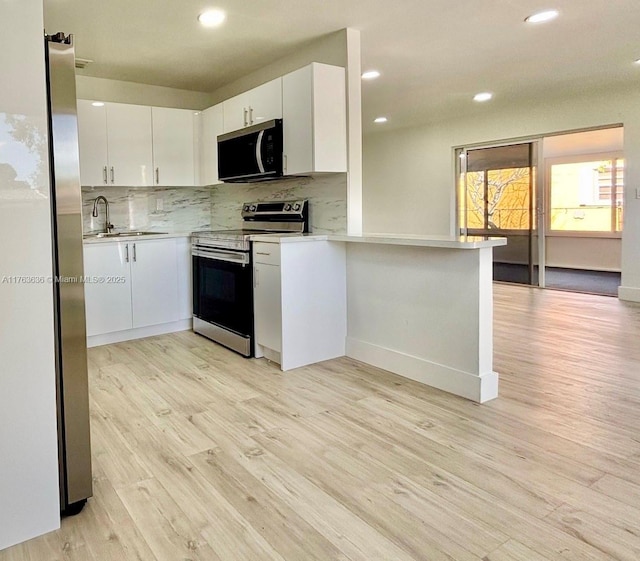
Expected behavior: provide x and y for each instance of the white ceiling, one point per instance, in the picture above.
(433, 54)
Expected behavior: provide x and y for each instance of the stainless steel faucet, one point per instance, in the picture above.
(107, 225)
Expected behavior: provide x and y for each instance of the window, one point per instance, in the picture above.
(495, 194)
(587, 195)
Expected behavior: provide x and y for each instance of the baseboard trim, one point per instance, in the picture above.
(480, 388)
(138, 333)
(629, 293)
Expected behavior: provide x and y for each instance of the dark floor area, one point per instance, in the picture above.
(577, 280)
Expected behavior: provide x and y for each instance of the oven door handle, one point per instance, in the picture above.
(220, 255)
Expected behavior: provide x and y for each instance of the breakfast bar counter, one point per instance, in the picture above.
(419, 306)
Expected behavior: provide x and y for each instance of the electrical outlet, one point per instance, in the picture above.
(159, 205)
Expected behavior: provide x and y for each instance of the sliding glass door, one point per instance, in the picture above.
(497, 197)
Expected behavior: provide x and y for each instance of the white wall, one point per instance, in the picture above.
(409, 173)
(28, 440)
(118, 91)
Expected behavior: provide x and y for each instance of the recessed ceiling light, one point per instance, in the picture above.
(380, 120)
(212, 18)
(97, 104)
(540, 17)
(370, 75)
(637, 61)
(483, 96)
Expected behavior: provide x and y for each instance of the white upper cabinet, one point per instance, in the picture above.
(115, 144)
(314, 120)
(254, 106)
(211, 125)
(92, 138)
(129, 142)
(236, 113)
(173, 147)
(136, 145)
(265, 102)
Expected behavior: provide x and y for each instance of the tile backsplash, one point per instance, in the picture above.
(327, 195)
(156, 209)
(187, 209)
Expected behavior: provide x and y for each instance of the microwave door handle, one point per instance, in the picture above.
(259, 151)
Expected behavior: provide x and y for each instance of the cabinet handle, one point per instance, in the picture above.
(262, 253)
(113, 175)
(126, 258)
(250, 115)
(255, 277)
(134, 253)
(245, 116)
(285, 163)
(104, 175)
(157, 176)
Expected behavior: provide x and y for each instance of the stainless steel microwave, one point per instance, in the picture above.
(251, 154)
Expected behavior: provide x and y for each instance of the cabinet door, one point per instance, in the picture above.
(212, 125)
(154, 282)
(267, 306)
(173, 154)
(265, 102)
(236, 113)
(108, 292)
(297, 111)
(314, 120)
(129, 138)
(92, 138)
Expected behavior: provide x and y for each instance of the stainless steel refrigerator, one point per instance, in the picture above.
(71, 341)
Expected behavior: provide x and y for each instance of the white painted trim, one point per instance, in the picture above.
(480, 388)
(629, 293)
(354, 133)
(139, 333)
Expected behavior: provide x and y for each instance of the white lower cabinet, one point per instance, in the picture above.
(107, 289)
(299, 301)
(268, 306)
(154, 282)
(135, 285)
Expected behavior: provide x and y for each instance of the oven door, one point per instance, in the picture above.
(223, 289)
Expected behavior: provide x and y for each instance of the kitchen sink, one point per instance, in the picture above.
(120, 234)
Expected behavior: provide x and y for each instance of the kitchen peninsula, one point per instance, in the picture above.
(418, 306)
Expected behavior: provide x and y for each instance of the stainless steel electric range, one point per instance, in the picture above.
(223, 271)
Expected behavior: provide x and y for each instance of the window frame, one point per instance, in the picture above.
(576, 159)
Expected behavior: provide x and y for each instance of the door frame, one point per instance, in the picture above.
(537, 194)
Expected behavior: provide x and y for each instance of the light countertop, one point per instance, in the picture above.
(125, 238)
(450, 242)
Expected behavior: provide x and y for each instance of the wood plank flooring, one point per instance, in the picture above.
(200, 454)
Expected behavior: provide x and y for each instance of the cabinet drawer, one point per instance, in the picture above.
(268, 253)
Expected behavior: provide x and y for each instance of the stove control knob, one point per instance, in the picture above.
(246, 207)
(252, 208)
(296, 207)
(287, 206)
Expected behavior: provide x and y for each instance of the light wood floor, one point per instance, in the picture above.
(200, 454)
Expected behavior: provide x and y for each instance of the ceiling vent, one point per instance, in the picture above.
(82, 62)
